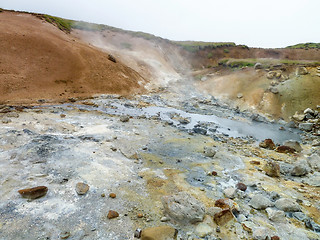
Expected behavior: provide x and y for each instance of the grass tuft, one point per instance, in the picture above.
(306, 46)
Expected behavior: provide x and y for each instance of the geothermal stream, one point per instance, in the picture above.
(140, 150)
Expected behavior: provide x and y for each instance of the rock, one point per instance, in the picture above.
(313, 180)
(306, 126)
(314, 162)
(258, 66)
(293, 144)
(272, 169)
(112, 58)
(112, 214)
(276, 215)
(159, 233)
(308, 110)
(272, 75)
(124, 118)
(274, 90)
(140, 215)
(64, 235)
(275, 238)
(82, 188)
(12, 115)
(239, 95)
(137, 233)
(298, 117)
(241, 186)
(33, 193)
(184, 121)
(213, 210)
(300, 168)
(260, 233)
(287, 205)
(112, 195)
(301, 71)
(268, 144)
(164, 219)
(230, 192)
(285, 149)
(6, 120)
(203, 230)
(209, 151)
(316, 143)
(226, 203)
(223, 217)
(183, 207)
(241, 218)
(260, 202)
(200, 130)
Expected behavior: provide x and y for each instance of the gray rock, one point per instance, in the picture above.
(209, 151)
(314, 162)
(12, 115)
(287, 205)
(274, 90)
(308, 110)
(213, 210)
(6, 120)
(313, 180)
(285, 168)
(183, 207)
(230, 192)
(124, 118)
(203, 230)
(260, 233)
(293, 144)
(276, 215)
(300, 168)
(258, 66)
(300, 216)
(239, 95)
(306, 126)
(260, 202)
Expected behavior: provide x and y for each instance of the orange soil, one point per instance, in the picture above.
(38, 61)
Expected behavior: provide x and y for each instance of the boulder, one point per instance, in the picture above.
(300, 168)
(293, 144)
(159, 233)
(183, 208)
(287, 205)
(272, 169)
(301, 71)
(268, 144)
(276, 215)
(314, 162)
(306, 126)
(260, 202)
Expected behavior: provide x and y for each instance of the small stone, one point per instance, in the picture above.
(260, 202)
(254, 162)
(258, 66)
(274, 90)
(62, 115)
(82, 188)
(164, 219)
(293, 144)
(272, 169)
(113, 214)
(137, 233)
(33, 193)
(209, 151)
(64, 235)
(112, 195)
(112, 58)
(241, 186)
(239, 95)
(214, 173)
(268, 144)
(306, 126)
(285, 149)
(314, 161)
(260, 233)
(230, 192)
(159, 233)
(6, 120)
(223, 217)
(276, 215)
(218, 229)
(287, 205)
(275, 238)
(124, 118)
(213, 210)
(140, 215)
(298, 117)
(301, 71)
(203, 230)
(103, 195)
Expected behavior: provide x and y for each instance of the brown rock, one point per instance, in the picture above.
(241, 186)
(112, 195)
(140, 215)
(159, 233)
(82, 188)
(272, 169)
(275, 238)
(254, 162)
(214, 173)
(268, 144)
(33, 193)
(113, 214)
(226, 203)
(62, 115)
(112, 58)
(223, 217)
(285, 149)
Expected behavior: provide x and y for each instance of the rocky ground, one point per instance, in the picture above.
(158, 166)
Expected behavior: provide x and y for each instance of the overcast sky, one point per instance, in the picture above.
(256, 23)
